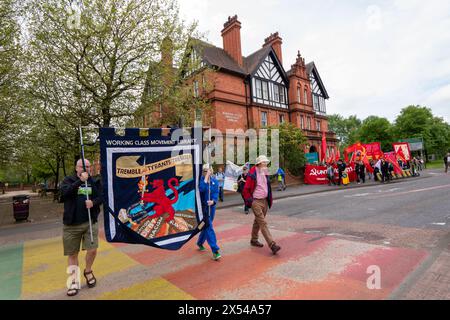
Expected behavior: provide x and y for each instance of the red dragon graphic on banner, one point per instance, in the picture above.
(158, 196)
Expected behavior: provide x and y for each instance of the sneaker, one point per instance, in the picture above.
(246, 212)
(201, 248)
(216, 256)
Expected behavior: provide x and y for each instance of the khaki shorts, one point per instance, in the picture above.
(75, 234)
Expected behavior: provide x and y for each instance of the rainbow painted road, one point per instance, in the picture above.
(308, 267)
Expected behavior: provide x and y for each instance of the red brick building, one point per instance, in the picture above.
(256, 91)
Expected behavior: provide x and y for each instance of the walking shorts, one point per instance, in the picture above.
(74, 235)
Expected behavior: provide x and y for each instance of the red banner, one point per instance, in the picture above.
(392, 158)
(402, 150)
(318, 174)
(373, 150)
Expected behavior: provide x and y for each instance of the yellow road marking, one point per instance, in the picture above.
(154, 289)
(44, 264)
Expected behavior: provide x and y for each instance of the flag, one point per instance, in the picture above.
(324, 147)
(402, 150)
(151, 186)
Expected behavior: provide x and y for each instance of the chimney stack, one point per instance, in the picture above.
(231, 35)
(275, 41)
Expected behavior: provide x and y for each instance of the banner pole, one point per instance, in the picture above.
(86, 185)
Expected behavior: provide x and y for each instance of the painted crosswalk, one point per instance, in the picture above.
(308, 267)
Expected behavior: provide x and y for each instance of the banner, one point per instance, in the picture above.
(150, 185)
(373, 150)
(312, 157)
(392, 158)
(402, 150)
(318, 174)
(232, 172)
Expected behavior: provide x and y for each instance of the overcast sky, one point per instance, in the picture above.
(374, 57)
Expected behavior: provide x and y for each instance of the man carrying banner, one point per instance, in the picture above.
(76, 222)
(258, 195)
(209, 194)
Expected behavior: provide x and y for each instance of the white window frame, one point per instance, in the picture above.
(264, 118)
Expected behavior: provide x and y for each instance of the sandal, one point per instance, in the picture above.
(92, 281)
(73, 290)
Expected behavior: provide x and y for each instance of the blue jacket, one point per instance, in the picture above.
(281, 172)
(220, 176)
(204, 193)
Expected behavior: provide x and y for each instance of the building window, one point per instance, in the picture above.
(276, 93)
(308, 123)
(203, 82)
(302, 122)
(258, 86)
(318, 125)
(264, 119)
(305, 96)
(196, 93)
(298, 95)
(281, 118)
(265, 90)
(282, 94)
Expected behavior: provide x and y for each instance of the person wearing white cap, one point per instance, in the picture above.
(257, 194)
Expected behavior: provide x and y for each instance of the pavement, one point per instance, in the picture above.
(336, 244)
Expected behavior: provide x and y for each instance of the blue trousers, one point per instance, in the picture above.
(208, 233)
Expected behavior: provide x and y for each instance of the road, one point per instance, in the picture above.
(331, 243)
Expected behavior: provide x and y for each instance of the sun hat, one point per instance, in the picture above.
(261, 159)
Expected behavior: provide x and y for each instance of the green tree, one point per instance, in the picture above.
(92, 63)
(292, 142)
(419, 122)
(9, 78)
(376, 129)
(345, 128)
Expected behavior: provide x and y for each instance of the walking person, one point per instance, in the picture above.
(76, 222)
(241, 183)
(258, 195)
(209, 194)
(447, 162)
(220, 176)
(385, 170)
(330, 174)
(341, 168)
(281, 179)
(361, 172)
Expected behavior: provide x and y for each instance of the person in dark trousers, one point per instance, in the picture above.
(385, 171)
(76, 229)
(330, 174)
(341, 168)
(241, 183)
(281, 176)
(209, 194)
(447, 162)
(360, 172)
(220, 176)
(258, 195)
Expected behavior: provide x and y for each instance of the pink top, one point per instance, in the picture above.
(261, 191)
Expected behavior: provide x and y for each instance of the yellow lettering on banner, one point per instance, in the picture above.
(127, 166)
